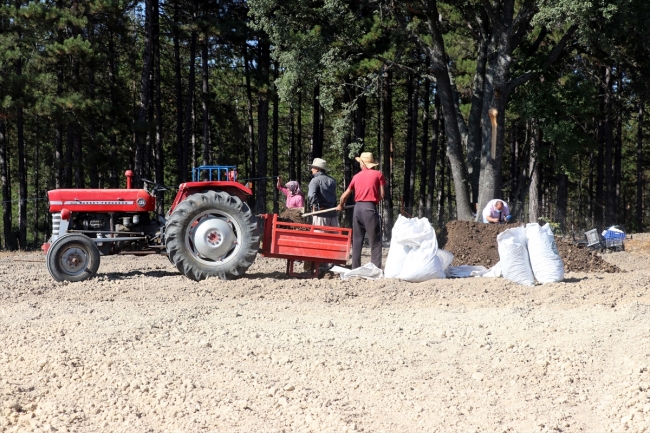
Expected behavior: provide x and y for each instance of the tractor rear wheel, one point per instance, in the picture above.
(73, 257)
(212, 234)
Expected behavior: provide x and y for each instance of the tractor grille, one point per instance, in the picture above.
(56, 225)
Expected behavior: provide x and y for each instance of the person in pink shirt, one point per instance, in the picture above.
(295, 198)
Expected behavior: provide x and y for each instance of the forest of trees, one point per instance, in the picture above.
(89, 89)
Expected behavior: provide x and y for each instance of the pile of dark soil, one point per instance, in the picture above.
(291, 216)
(475, 244)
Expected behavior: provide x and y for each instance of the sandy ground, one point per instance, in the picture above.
(142, 349)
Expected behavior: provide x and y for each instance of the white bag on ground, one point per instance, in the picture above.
(445, 258)
(423, 263)
(545, 260)
(513, 256)
(494, 272)
(465, 271)
(367, 271)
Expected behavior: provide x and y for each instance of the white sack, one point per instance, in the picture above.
(423, 263)
(513, 255)
(412, 231)
(545, 260)
(395, 260)
(367, 271)
(465, 271)
(445, 258)
(494, 272)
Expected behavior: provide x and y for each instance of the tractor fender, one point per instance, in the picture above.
(189, 188)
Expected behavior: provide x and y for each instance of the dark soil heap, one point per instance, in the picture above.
(291, 216)
(475, 244)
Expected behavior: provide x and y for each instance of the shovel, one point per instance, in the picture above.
(325, 211)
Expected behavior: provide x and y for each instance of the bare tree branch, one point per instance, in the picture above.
(552, 58)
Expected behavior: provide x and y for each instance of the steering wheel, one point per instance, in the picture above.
(157, 187)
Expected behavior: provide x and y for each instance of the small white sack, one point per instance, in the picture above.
(367, 271)
(423, 263)
(494, 272)
(465, 271)
(513, 255)
(445, 258)
(545, 259)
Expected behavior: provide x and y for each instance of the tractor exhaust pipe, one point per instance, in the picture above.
(129, 177)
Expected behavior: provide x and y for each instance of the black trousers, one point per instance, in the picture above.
(366, 220)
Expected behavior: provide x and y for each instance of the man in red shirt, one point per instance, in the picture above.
(368, 186)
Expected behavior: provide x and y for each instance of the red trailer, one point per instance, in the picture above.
(305, 242)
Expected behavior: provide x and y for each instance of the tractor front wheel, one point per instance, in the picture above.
(73, 257)
(212, 234)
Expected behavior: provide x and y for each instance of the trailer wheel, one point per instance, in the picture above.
(73, 257)
(212, 234)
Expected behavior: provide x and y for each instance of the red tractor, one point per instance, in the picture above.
(209, 230)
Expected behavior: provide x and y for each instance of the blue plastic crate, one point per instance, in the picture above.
(610, 234)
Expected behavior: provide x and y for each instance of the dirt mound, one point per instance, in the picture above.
(475, 244)
(291, 216)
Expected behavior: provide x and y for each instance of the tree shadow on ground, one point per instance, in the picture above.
(156, 273)
(574, 280)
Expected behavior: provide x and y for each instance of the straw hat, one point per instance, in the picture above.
(367, 160)
(320, 164)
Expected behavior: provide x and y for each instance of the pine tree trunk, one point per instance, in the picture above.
(609, 147)
(534, 169)
(562, 199)
(251, 125)
(93, 149)
(514, 163)
(262, 128)
(292, 143)
(316, 148)
(112, 170)
(8, 236)
(159, 156)
(347, 164)
(639, 168)
(408, 153)
(204, 100)
(188, 134)
(144, 101)
(600, 177)
(181, 167)
(387, 140)
(299, 163)
(59, 180)
(414, 141)
(37, 175)
(425, 149)
(474, 140)
(618, 155)
(276, 121)
(433, 159)
(22, 173)
(359, 130)
(441, 194)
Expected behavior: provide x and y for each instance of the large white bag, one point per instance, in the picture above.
(423, 263)
(395, 260)
(412, 232)
(545, 260)
(513, 254)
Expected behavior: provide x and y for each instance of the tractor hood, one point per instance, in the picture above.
(101, 200)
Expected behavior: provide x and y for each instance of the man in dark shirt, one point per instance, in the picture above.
(368, 186)
(322, 195)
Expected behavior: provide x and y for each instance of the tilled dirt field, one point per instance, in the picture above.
(142, 349)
